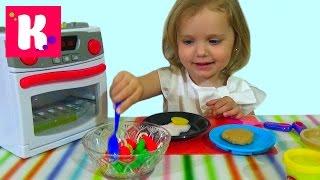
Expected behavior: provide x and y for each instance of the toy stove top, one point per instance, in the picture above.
(79, 43)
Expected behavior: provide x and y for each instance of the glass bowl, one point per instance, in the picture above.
(125, 166)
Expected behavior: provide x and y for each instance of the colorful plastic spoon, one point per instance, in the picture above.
(113, 146)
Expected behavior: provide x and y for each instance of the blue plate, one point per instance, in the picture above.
(263, 140)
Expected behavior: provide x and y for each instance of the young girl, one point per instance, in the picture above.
(205, 42)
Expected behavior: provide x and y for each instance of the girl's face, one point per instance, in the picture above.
(205, 44)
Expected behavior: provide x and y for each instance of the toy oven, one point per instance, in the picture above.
(48, 102)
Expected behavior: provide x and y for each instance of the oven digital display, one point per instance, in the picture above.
(68, 43)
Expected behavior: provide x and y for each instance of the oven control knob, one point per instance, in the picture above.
(29, 61)
(94, 46)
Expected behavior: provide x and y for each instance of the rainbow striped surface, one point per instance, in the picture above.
(71, 162)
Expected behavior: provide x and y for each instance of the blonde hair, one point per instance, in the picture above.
(182, 8)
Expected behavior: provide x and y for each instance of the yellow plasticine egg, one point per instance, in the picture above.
(179, 121)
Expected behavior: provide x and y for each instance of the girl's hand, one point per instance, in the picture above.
(125, 88)
(225, 107)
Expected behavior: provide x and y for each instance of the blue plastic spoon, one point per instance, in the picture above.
(113, 146)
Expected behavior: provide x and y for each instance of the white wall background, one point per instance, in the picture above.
(285, 46)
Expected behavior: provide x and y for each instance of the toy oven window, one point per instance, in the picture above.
(56, 111)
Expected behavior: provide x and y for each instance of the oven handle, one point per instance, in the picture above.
(61, 76)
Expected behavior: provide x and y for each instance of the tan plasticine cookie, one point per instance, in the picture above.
(238, 136)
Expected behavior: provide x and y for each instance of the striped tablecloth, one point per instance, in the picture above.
(71, 162)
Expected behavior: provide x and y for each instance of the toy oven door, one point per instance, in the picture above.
(64, 108)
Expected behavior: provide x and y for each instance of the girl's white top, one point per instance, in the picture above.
(182, 94)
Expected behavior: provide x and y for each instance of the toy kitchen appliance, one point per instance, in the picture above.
(48, 102)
